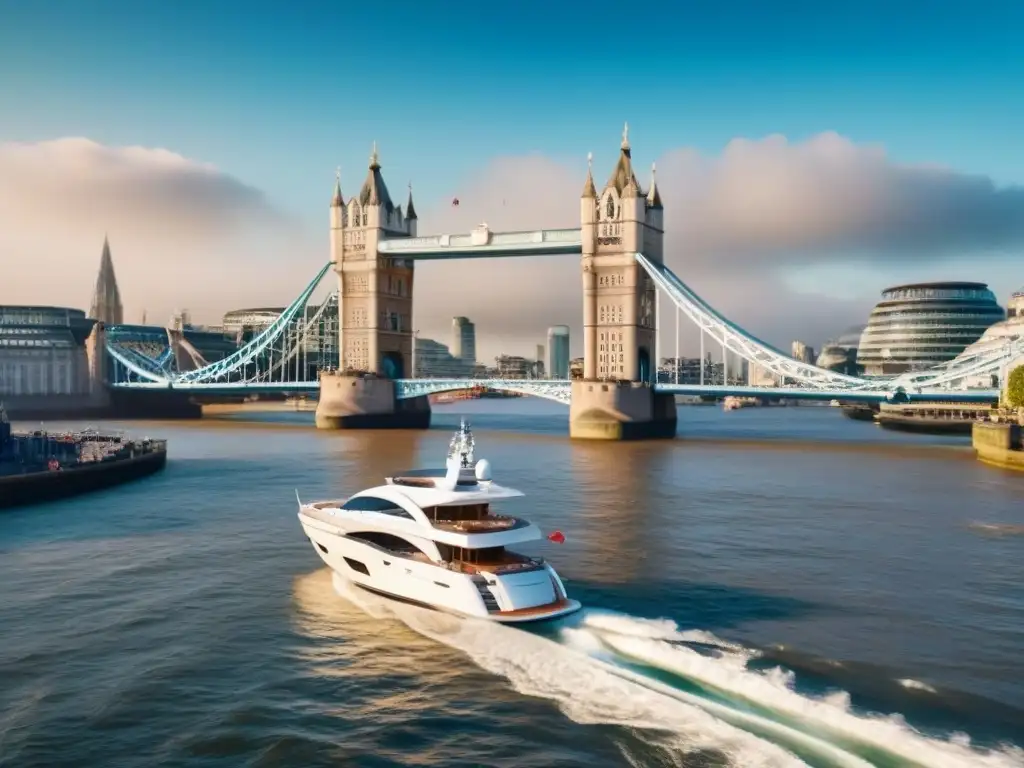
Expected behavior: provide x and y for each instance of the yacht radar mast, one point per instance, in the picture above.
(461, 446)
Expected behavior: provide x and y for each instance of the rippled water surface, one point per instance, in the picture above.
(777, 587)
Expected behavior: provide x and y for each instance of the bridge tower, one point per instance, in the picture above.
(616, 400)
(374, 313)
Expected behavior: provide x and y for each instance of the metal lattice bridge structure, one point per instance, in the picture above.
(286, 356)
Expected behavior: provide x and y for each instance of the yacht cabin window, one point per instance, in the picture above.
(375, 504)
(466, 555)
(458, 512)
(387, 541)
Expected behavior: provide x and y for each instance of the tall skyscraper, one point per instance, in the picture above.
(803, 352)
(464, 340)
(558, 352)
(106, 300)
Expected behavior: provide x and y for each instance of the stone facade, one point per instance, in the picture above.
(619, 323)
(375, 292)
(616, 398)
(998, 445)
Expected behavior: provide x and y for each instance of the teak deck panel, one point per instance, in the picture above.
(547, 608)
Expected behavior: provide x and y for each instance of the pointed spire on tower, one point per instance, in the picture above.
(106, 301)
(653, 196)
(375, 191)
(410, 210)
(623, 176)
(589, 190)
(337, 201)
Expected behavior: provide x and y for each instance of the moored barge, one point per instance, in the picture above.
(42, 466)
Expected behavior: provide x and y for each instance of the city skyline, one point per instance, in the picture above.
(883, 179)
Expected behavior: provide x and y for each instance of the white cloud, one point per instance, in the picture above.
(182, 233)
(828, 199)
(735, 224)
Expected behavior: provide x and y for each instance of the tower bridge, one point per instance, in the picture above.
(375, 245)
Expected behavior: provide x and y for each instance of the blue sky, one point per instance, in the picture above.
(278, 96)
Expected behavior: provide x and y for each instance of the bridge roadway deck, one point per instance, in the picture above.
(559, 390)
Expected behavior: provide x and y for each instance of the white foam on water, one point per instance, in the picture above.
(583, 640)
(773, 691)
(917, 685)
(582, 677)
(582, 688)
(657, 629)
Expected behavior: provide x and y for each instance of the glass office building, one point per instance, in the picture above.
(921, 325)
(558, 352)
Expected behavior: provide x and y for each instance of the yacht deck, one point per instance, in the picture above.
(489, 524)
(509, 562)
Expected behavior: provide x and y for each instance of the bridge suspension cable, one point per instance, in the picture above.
(735, 339)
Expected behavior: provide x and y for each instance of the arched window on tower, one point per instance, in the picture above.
(610, 207)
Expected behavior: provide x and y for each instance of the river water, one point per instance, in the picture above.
(777, 587)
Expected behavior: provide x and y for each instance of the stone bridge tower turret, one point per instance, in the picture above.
(375, 301)
(616, 398)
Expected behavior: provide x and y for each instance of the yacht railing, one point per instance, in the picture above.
(526, 564)
(481, 525)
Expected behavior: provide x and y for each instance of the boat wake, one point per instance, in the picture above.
(684, 692)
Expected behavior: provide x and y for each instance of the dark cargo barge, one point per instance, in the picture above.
(40, 466)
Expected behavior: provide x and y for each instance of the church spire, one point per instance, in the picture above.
(589, 190)
(106, 302)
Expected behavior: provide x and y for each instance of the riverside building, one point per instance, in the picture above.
(921, 325)
(42, 351)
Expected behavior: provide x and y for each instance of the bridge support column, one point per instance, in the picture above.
(620, 411)
(357, 402)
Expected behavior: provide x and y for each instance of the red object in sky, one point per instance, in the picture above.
(556, 537)
(455, 203)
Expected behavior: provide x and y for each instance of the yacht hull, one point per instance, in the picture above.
(569, 607)
(529, 595)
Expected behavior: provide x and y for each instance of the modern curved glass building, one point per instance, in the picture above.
(921, 325)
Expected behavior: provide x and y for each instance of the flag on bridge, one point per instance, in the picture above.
(455, 203)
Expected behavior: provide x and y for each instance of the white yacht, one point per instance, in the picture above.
(430, 537)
